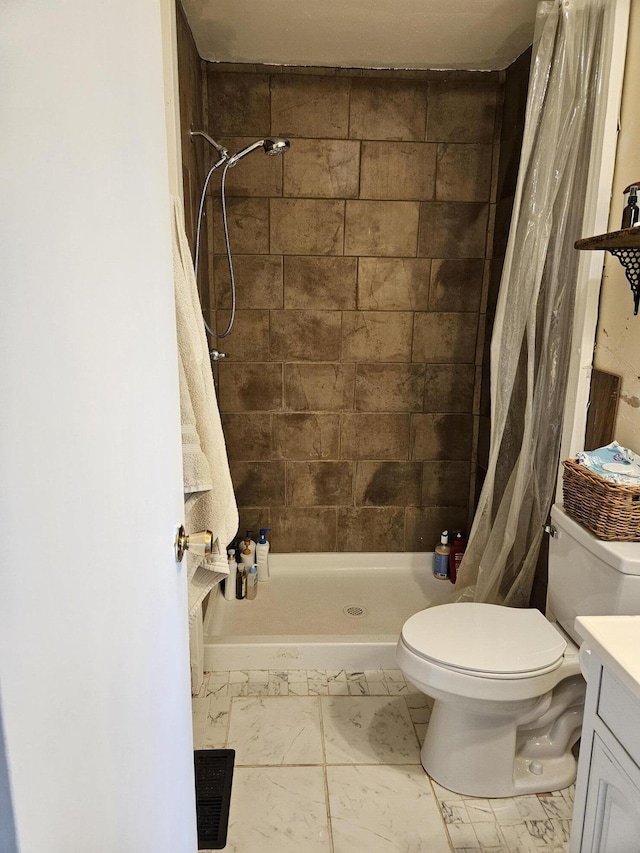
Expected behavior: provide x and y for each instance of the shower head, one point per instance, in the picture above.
(275, 146)
(270, 146)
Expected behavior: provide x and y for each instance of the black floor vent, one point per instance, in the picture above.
(214, 774)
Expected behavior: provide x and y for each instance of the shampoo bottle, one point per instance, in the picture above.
(230, 582)
(441, 557)
(456, 554)
(252, 583)
(262, 555)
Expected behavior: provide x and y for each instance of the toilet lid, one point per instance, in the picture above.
(484, 638)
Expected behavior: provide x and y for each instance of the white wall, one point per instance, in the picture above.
(618, 337)
(93, 634)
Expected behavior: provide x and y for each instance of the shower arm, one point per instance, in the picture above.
(222, 151)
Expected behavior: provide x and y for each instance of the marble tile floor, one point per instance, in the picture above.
(328, 761)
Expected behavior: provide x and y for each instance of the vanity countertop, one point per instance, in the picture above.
(616, 641)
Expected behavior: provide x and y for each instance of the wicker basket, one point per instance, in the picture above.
(610, 510)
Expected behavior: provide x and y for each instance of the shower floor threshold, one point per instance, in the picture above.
(323, 611)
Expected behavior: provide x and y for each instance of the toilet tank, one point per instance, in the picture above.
(589, 577)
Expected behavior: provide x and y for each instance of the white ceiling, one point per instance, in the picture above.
(439, 34)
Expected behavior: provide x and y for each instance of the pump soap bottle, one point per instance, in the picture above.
(246, 555)
(262, 555)
(631, 213)
(441, 557)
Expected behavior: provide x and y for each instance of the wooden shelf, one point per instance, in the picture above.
(628, 238)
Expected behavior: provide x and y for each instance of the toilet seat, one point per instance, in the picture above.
(485, 640)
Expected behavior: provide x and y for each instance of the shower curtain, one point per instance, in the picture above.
(531, 340)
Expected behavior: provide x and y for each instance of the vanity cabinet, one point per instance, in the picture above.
(607, 805)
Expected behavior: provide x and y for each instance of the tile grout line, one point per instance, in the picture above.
(327, 801)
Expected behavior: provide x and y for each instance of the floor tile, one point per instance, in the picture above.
(368, 730)
(273, 730)
(278, 810)
(384, 810)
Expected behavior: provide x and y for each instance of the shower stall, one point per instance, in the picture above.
(353, 394)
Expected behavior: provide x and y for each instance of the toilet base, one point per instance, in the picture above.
(477, 756)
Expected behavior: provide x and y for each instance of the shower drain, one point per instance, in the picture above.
(354, 611)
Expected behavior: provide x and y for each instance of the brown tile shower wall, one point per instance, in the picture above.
(350, 397)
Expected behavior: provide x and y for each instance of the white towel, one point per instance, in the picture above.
(215, 508)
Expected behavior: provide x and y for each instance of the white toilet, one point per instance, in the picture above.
(506, 682)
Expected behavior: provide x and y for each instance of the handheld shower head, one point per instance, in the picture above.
(275, 146)
(271, 146)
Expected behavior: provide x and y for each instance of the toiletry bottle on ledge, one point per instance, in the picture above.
(241, 582)
(252, 583)
(248, 540)
(456, 554)
(441, 557)
(631, 213)
(246, 555)
(230, 582)
(262, 555)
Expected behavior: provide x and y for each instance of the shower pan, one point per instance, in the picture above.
(323, 611)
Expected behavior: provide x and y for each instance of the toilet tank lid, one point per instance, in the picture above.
(484, 638)
(622, 556)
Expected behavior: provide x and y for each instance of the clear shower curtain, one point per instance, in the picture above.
(532, 333)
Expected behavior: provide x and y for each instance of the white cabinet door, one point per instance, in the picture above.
(612, 816)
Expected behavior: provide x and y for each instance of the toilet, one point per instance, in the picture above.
(507, 685)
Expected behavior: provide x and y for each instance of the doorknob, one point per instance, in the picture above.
(198, 543)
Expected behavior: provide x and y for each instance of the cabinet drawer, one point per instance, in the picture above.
(620, 711)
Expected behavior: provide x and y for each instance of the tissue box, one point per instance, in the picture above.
(610, 510)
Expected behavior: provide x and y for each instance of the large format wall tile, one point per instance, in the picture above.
(453, 230)
(461, 111)
(307, 226)
(248, 220)
(388, 483)
(247, 434)
(319, 483)
(393, 284)
(258, 280)
(456, 285)
(449, 387)
(368, 528)
(250, 387)
(298, 436)
(464, 172)
(445, 337)
(328, 283)
(303, 529)
(305, 335)
(390, 387)
(398, 170)
(310, 106)
(387, 109)
(238, 104)
(322, 168)
(366, 436)
(259, 483)
(319, 387)
(376, 336)
(442, 437)
(381, 228)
